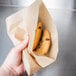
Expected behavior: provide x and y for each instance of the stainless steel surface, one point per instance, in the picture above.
(65, 4)
(65, 20)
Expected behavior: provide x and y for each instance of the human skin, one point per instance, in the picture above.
(13, 64)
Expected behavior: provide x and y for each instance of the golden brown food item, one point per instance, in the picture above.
(37, 35)
(44, 44)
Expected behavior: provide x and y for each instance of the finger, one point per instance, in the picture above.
(23, 44)
(20, 69)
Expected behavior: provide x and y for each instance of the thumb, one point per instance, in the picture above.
(22, 45)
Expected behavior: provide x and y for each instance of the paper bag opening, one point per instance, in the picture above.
(47, 22)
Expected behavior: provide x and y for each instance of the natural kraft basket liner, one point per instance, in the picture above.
(26, 20)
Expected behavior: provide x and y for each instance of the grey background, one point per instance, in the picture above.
(56, 4)
(65, 21)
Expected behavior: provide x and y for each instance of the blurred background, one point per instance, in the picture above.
(55, 4)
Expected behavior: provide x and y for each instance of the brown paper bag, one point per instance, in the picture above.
(25, 21)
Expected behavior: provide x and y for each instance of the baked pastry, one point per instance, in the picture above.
(44, 43)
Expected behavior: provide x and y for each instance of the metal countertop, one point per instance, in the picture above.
(65, 21)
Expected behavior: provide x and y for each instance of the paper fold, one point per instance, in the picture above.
(29, 61)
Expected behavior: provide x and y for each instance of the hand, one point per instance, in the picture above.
(13, 63)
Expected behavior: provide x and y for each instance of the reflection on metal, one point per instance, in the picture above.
(56, 4)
